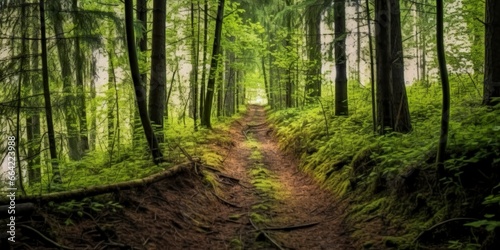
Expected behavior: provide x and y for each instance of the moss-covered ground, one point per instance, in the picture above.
(389, 182)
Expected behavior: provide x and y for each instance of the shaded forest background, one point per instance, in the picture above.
(95, 92)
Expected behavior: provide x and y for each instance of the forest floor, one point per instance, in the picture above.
(258, 199)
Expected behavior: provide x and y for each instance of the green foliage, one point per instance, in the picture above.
(393, 176)
(455, 244)
(489, 223)
(87, 207)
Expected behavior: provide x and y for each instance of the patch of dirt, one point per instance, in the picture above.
(301, 200)
(187, 212)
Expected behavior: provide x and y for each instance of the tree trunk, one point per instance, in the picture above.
(56, 178)
(358, 42)
(401, 111)
(93, 107)
(33, 120)
(288, 48)
(341, 106)
(492, 51)
(220, 86)
(313, 77)
(372, 71)
(384, 66)
(445, 114)
(213, 66)
(194, 70)
(266, 85)
(140, 92)
(81, 107)
(142, 18)
(157, 90)
(230, 90)
(272, 96)
(423, 44)
(69, 100)
(204, 60)
(103, 189)
(110, 99)
(22, 80)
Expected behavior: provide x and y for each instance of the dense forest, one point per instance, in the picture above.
(250, 124)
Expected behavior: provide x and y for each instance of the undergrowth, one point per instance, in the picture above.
(390, 180)
(132, 161)
(266, 187)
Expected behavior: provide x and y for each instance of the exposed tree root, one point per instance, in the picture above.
(437, 225)
(220, 174)
(266, 235)
(225, 202)
(293, 227)
(256, 125)
(20, 208)
(45, 237)
(103, 189)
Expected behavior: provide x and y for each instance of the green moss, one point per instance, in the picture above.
(255, 155)
(212, 158)
(261, 207)
(363, 161)
(368, 245)
(257, 218)
(211, 180)
(235, 217)
(394, 242)
(259, 171)
(370, 207)
(236, 244)
(371, 170)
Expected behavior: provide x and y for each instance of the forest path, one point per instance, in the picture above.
(258, 199)
(274, 194)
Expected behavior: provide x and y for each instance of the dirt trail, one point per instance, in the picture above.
(277, 194)
(258, 200)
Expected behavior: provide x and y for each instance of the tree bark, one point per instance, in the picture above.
(372, 71)
(82, 107)
(93, 107)
(103, 189)
(140, 91)
(492, 51)
(33, 120)
(341, 105)
(22, 209)
(313, 77)
(271, 48)
(358, 42)
(288, 48)
(266, 85)
(219, 82)
(111, 101)
(71, 118)
(157, 90)
(445, 113)
(194, 70)
(384, 66)
(229, 97)
(22, 80)
(56, 178)
(204, 59)
(401, 111)
(142, 18)
(213, 66)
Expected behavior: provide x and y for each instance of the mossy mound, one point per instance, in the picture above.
(390, 182)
